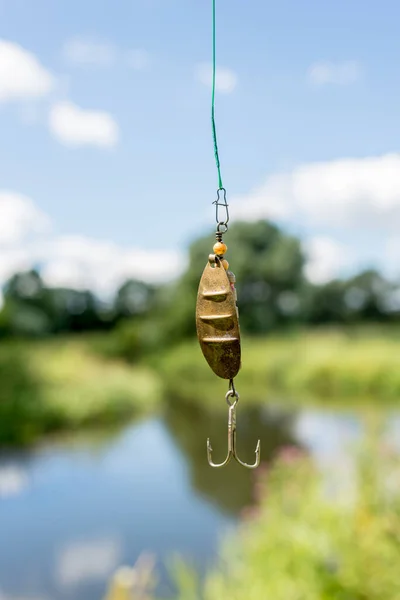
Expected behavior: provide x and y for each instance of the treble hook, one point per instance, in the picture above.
(232, 436)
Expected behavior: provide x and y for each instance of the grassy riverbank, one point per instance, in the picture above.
(62, 384)
(333, 365)
(69, 383)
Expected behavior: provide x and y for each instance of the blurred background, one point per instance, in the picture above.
(107, 179)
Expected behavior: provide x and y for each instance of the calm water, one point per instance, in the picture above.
(71, 511)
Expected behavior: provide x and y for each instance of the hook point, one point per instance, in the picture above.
(210, 460)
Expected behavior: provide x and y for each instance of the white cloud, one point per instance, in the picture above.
(344, 194)
(345, 73)
(87, 51)
(325, 259)
(21, 74)
(225, 80)
(85, 561)
(73, 261)
(74, 126)
(102, 266)
(268, 201)
(138, 59)
(83, 263)
(19, 218)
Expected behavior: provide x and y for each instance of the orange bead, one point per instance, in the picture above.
(220, 248)
(225, 264)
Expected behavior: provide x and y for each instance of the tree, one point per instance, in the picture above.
(23, 312)
(364, 297)
(268, 266)
(134, 298)
(32, 309)
(327, 303)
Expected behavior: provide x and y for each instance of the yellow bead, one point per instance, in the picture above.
(220, 248)
(225, 264)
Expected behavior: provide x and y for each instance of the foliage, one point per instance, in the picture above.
(364, 297)
(311, 540)
(33, 310)
(22, 415)
(134, 339)
(273, 293)
(62, 384)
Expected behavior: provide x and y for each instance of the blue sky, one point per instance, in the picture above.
(302, 84)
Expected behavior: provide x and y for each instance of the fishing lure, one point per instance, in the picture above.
(217, 314)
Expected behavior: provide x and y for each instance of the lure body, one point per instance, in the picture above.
(217, 320)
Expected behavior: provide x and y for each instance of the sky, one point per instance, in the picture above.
(106, 159)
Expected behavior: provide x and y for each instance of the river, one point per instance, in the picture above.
(74, 508)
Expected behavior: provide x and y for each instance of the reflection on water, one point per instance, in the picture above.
(230, 488)
(327, 434)
(72, 510)
(12, 481)
(87, 560)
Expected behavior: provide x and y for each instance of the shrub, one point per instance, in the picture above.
(309, 539)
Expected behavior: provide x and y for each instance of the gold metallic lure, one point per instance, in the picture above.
(217, 320)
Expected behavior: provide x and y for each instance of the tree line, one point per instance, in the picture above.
(272, 289)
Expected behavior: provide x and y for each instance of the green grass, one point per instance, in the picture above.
(332, 365)
(62, 384)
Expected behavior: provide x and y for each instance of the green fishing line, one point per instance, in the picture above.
(214, 130)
